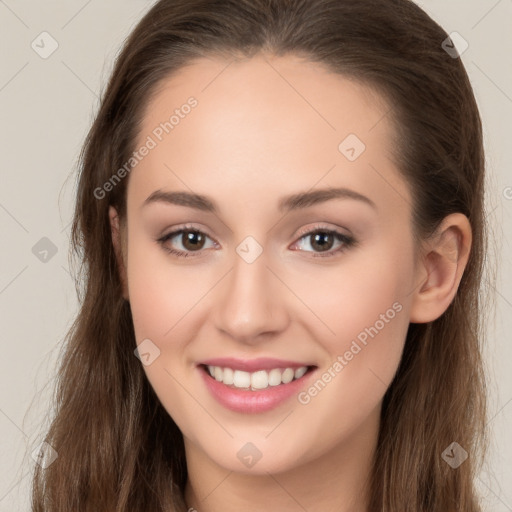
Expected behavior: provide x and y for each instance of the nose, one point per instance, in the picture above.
(251, 305)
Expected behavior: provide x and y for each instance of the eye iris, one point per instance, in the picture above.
(319, 241)
(194, 237)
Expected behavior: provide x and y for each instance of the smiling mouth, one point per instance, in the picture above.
(255, 381)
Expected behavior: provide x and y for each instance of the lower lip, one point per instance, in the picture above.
(248, 401)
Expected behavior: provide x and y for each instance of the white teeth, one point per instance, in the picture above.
(261, 379)
(241, 379)
(299, 372)
(228, 376)
(274, 377)
(287, 376)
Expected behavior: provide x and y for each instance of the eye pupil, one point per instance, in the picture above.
(319, 240)
(193, 237)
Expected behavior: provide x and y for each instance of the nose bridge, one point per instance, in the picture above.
(251, 301)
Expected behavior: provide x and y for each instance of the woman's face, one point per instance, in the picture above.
(267, 280)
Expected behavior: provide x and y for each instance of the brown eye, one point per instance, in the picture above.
(322, 240)
(192, 240)
(189, 241)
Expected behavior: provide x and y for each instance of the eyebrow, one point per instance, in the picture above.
(286, 204)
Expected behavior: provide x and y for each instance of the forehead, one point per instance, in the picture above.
(264, 123)
(264, 94)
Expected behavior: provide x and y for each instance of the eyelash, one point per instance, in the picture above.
(348, 241)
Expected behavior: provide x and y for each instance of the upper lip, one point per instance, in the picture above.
(253, 365)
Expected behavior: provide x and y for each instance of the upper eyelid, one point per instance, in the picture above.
(320, 227)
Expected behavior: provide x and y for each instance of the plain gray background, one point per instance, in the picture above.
(47, 106)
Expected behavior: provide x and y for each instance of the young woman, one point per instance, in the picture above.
(280, 218)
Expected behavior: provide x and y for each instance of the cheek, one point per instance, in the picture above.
(366, 309)
(353, 296)
(160, 293)
(162, 299)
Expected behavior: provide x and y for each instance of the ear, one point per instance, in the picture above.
(441, 268)
(119, 247)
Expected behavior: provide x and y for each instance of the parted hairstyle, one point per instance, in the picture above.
(118, 448)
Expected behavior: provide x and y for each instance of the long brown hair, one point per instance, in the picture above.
(118, 449)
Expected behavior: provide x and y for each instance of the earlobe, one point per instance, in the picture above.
(441, 268)
(118, 249)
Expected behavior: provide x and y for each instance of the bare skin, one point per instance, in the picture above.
(263, 129)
